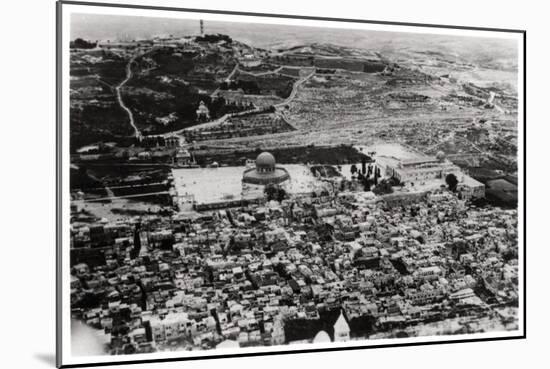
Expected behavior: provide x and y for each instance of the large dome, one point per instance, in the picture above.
(321, 337)
(265, 172)
(265, 160)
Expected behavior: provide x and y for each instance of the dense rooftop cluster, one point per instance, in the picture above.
(275, 273)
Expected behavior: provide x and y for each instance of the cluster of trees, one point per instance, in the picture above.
(80, 179)
(325, 71)
(273, 192)
(295, 60)
(153, 141)
(220, 106)
(280, 85)
(249, 87)
(451, 181)
(169, 62)
(214, 38)
(369, 176)
(82, 44)
(382, 188)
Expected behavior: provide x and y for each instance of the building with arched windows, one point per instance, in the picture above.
(418, 171)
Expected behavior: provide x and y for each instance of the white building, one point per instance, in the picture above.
(470, 188)
(414, 169)
(422, 169)
(341, 329)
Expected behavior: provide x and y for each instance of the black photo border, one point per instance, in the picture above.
(59, 174)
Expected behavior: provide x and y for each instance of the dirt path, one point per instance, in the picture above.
(222, 119)
(119, 96)
(292, 95)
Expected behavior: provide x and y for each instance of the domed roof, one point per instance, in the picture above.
(440, 155)
(321, 337)
(265, 171)
(265, 159)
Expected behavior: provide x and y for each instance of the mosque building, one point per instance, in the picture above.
(428, 171)
(423, 168)
(264, 173)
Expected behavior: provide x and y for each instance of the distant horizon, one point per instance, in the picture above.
(96, 27)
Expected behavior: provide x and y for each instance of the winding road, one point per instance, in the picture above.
(292, 95)
(223, 118)
(119, 97)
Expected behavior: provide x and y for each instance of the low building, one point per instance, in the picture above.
(469, 188)
(183, 158)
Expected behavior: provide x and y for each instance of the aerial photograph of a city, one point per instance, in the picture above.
(237, 185)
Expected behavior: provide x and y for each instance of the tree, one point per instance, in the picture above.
(134, 253)
(271, 192)
(394, 181)
(451, 181)
(376, 175)
(353, 169)
(367, 183)
(342, 185)
(382, 188)
(82, 44)
(281, 194)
